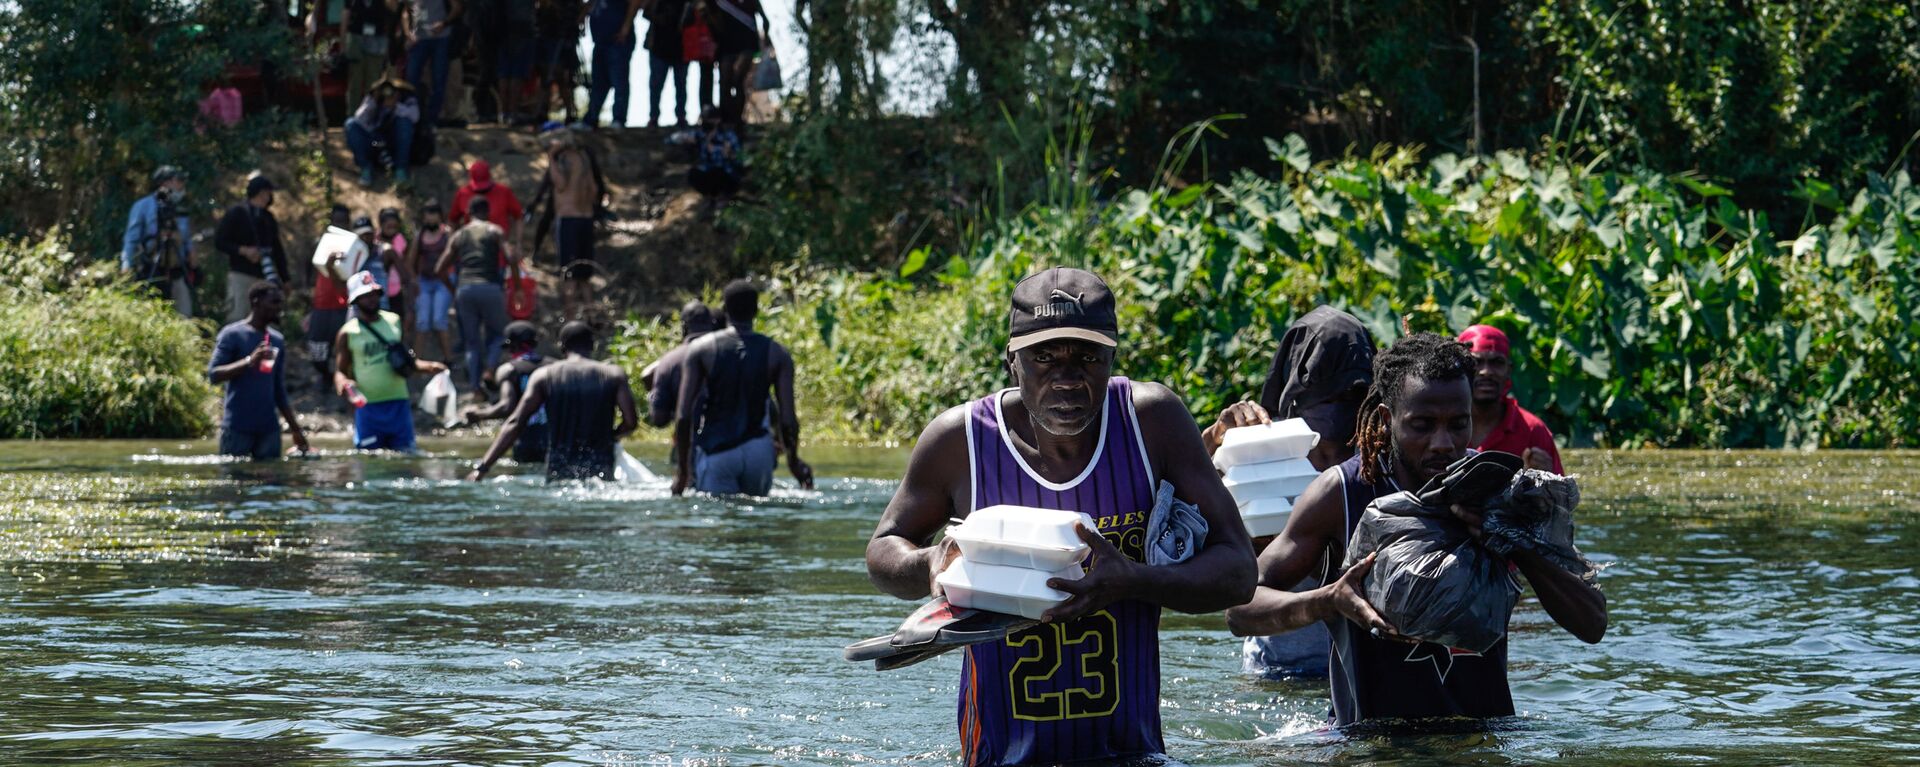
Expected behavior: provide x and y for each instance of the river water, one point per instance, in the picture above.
(159, 606)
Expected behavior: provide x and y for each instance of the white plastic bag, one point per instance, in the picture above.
(440, 400)
(628, 469)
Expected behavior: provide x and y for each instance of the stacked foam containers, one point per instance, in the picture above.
(1266, 469)
(1007, 554)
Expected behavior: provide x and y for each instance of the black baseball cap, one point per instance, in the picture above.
(521, 332)
(362, 225)
(1062, 303)
(258, 184)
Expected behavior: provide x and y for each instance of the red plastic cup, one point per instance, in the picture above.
(272, 358)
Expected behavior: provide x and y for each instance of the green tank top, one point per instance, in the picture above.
(371, 373)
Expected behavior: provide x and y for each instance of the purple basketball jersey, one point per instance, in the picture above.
(1088, 688)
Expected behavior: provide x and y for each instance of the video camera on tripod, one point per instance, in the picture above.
(159, 257)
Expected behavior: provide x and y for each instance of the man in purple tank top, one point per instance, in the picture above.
(1085, 683)
(1415, 422)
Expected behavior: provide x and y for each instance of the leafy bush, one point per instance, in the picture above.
(1646, 309)
(82, 355)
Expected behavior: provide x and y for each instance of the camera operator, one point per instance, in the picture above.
(157, 248)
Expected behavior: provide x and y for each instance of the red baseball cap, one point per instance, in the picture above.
(481, 174)
(1485, 338)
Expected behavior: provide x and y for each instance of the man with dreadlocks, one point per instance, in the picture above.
(1417, 419)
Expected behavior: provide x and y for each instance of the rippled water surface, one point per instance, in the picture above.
(161, 607)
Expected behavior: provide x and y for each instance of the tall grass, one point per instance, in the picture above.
(1647, 309)
(82, 355)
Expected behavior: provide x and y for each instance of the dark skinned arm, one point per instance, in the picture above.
(1319, 515)
(237, 368)
(900, 558)
(342, 363)
(510, 433)
(1578, 606)
(789, 420)
(503, 407)
(1221, 575)
(693, 378)
(629, 413)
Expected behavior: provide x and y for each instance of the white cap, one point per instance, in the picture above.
(360, 284)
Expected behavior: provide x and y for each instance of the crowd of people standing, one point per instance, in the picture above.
(415, 65)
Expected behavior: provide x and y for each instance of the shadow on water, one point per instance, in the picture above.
(162, 606)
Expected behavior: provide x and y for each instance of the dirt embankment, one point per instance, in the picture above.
(661, 245)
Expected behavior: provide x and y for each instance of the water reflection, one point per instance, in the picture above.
(369, 609)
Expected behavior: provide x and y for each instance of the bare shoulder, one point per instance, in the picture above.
(1156, 401)
(1324, 499)
(945, 437)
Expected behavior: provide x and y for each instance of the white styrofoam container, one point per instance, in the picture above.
(1265, 443)
(1274, 479)
(1266, 516)
(1002, 589)
(1022, 536)
(352, 248)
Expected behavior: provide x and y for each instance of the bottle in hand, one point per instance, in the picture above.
(273, 355)
(354, 396)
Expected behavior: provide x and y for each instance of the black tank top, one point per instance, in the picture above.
(532, 446)
(580, 412)
(1383, 679)
(736, 391)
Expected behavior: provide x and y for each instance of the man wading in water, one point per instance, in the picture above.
(1415, 422)
(1085, 683)
(1320, 374)
(726, 379)
(580, 397)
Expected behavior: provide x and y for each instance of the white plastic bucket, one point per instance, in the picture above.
(353, 252)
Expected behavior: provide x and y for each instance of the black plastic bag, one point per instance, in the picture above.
(1535, 514)
(1431, 580)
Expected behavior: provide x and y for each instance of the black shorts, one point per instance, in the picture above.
(575, 239)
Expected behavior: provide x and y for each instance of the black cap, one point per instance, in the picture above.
(167, 173)
(362, 225)
(257, 184)
(1061, 303)
(521, 332)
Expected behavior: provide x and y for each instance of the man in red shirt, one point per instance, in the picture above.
(1499, 422)
(504, 206)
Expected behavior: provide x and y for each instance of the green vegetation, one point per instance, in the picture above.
(1648, 309)
(83, 355)
(95, 95)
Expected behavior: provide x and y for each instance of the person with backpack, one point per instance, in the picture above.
(386, 118)
(157, 248)
(523, 348)
(371, 367)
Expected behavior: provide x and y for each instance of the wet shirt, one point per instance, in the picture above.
(735, 410)
(477, 252)
(251, 401)
(376, 380)
(1087, 688)
(1519, 430)
(580, 405)
(1372, 679)
(532, 445)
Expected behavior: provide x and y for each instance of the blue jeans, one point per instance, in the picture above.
(397, 135)
(483, 323)
(432, 50)
(657, 69)
(430, 308)
(610, 63)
